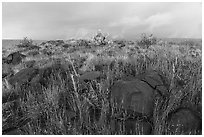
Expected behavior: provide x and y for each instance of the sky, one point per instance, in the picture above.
(43, 21)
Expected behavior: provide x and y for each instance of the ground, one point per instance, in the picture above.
(73, 101)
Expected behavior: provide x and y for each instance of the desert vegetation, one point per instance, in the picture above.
(68, 87)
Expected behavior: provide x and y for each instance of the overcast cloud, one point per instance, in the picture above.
(82, 20)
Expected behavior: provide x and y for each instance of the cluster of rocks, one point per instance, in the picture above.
(132, 95)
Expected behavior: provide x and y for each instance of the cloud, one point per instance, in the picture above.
(158, 20)
(138, 25)
(174, 22)
(125, 20)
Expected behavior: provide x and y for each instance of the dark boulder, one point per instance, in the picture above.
(36, 80)
(23, 76)
(184, 121)
(33, 83)
(41, 76)
(20, 84)
(54, 73)
(136, 95)
(157, 81)
(15, 58)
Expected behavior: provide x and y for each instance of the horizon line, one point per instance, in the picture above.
(86, 38)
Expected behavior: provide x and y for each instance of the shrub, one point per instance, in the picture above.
(25, 43)
(146, 41)
(101, 39)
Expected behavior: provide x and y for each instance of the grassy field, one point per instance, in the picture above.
(49, 112)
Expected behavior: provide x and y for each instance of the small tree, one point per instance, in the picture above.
(147, 41)
(25, 43)
(100, 38)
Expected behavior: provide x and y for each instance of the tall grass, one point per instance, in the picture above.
(84, 108)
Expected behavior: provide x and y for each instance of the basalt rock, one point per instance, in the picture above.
(23, 76)
(35, 81)
(15, 58)
(184, 121)
(134, 96)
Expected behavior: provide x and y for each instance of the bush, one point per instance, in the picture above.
(146, 41)
(25, 43)
(101, 39)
